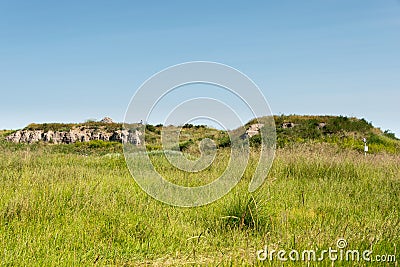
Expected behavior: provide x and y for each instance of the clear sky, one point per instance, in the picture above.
(76, 60)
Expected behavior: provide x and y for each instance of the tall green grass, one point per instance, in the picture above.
(66, 209)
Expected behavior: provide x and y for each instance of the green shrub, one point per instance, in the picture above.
(151, 147)
(200, 126)
(187, 126)
(337, 124)
(255, 140)
(375, 139)
(150, 139)
(244, 213)
(224, 141)
(389, 134)
(150, 128)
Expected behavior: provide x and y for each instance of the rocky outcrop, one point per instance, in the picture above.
(75, 135)
(254, 129)
(107, 120)
(25, 136)
(286, 125)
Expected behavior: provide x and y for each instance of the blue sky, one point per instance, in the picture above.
(76, 60)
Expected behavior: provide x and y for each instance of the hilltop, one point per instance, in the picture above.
(346, 132)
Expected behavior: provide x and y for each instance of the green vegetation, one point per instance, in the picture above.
(67, 209)
(95, 147)
(185, 145)
(255, 141)
(77, 204)
(224, 141)
(342, 131)
(389, 134)
(150, 128)
(291, 129)
(69, 126)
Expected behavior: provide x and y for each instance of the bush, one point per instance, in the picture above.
(337, 124)
(150, 139)
(389, 134)
(375, 139)
(245, 213)
(150, 128)
(255, 140)
(200, 126)
(187, 126)
(224, 141)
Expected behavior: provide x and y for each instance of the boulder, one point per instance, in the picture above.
(107, 120)
(254, 129)
(134, 137)
(286, 125)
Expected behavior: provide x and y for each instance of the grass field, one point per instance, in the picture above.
(62, 207)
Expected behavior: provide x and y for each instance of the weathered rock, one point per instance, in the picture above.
(48, 137)
(286, 125)
(254, 129)
(15, 137)
(134, 138)
(100, 135)
(58, 137)
(75, 135)
(25, 136)
(120, 136)
(107, 120)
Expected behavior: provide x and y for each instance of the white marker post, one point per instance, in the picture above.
(365, 146)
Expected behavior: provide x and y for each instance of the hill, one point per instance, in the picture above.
(344, 132)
